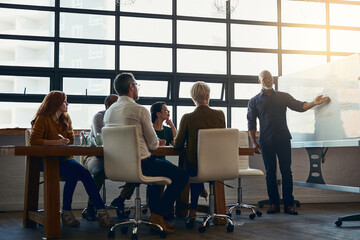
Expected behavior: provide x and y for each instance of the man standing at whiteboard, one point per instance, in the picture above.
(270, 106)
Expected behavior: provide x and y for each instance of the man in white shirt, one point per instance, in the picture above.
(95, 165)
(126, 112)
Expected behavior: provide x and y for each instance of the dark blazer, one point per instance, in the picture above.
(202, 117)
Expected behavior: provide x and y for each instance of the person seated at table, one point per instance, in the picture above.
(95, 165)
(160, 115)
(52, 126)
(127, 112)
(202, 117)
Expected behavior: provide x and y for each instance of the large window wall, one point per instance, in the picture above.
(79, 46)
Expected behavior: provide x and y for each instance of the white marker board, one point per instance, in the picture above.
(338, 120)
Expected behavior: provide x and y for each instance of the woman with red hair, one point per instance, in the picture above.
(52, 126)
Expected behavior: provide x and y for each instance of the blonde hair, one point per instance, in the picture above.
(199, 91)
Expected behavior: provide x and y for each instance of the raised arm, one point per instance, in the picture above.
(318, 101)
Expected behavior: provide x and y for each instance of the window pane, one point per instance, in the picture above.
(85, 4)
(181, 110)
(142, 59)
(293, 63)
(145, 30)
(246, 90)
(90, 56)
(305, 12)
(151, 88)
(26, 22)
(81, 114)
(250, 10)
(198, 8)
(295, 39)
(345, 15)
(21, 84)
(89, 86)
(17, 114)
(26, 53)
(201, 33)
(27, 2)
(246, 63)
(239, 119)
(201, 61)
(215, 90)
(147, 6)
(344, 41)
(253, 36)
(88, 26)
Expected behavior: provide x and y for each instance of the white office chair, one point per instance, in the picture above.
(217, 161)
(122, 163)
(245, 171)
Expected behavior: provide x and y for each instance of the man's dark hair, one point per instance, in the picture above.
(110, 100)
(122, 83)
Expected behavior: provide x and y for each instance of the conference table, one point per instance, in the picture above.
(49, 155)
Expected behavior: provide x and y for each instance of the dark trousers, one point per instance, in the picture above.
(161, 167)
(73, 172)
(269, 151)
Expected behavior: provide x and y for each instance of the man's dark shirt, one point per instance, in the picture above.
(271, 111)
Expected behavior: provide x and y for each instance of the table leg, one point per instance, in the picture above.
(52, 198)
(31, 198)
(220, 207)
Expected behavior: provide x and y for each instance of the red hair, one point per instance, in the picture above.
(50, 105)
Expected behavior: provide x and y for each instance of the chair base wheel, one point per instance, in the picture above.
(252, 216)
(134, 237)
(230, 228)
(163, 234)
(111, 234)
(338, 223)
(202, 229)
(238, 211)
(258, 213)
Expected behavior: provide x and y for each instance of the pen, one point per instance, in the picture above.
(61, 136)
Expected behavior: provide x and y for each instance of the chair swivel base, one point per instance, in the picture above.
(354, 217)
(135, 224)
(237, 207)
(209, 221)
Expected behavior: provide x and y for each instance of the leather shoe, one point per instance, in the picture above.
(158, 219)
(290, 210)
(273, 209)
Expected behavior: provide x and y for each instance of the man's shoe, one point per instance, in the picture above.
(158, 219)
(119, 205)
(273, 209)
(89, 213)
(190, 219)
(290, 210)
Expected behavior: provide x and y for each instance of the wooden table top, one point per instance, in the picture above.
(53, 151)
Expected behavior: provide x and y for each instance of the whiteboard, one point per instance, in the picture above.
(336, 121)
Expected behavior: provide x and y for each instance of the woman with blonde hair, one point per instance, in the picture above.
(203, 117)
(52, 126)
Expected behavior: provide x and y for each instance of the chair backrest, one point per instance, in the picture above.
(27, 137)
(122, 156)
(217, 154)
(243, 143)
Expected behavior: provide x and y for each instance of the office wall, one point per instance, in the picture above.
(341, 167)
